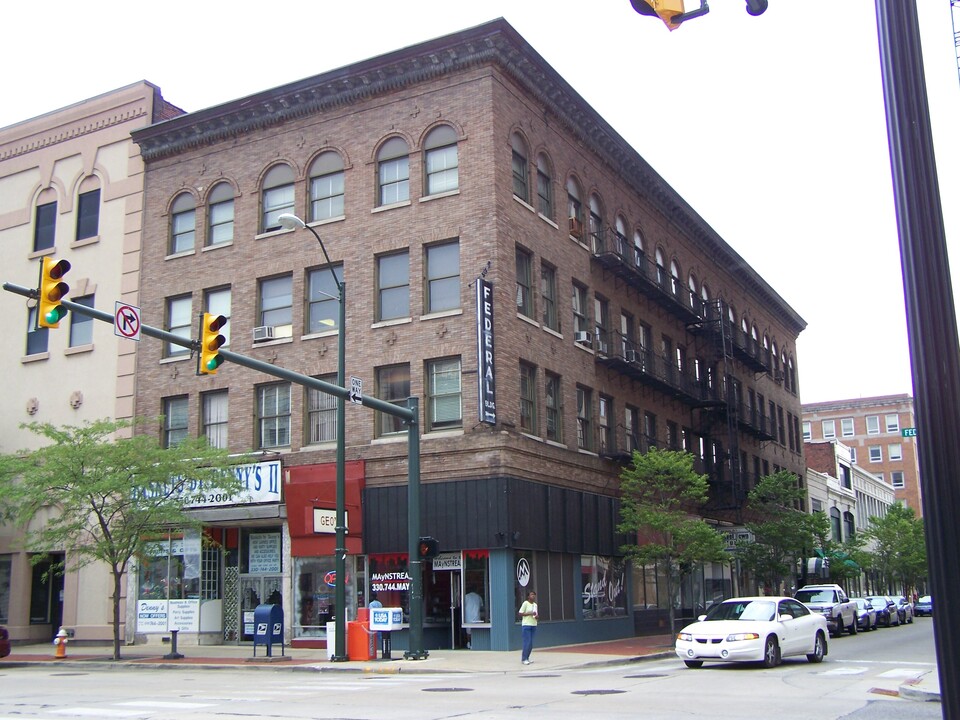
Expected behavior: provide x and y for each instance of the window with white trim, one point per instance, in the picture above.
(895, 451)
(277, 196)
(893, 423)
(846, 427)
(273, 415)
(326, 187)
(444, 394)
(321, 413)
(215, 417)
(876, 453)
(183, 224)
(393, 172)
(220, 215)
(873, 424)
(807, 430)
(897, 479)
(441, 160)
(829, 429)
(179, 322)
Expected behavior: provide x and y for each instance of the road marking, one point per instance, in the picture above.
(846, 671)
(901, 673)
(164, 704)
(95, 712)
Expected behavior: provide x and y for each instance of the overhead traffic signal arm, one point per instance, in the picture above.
(210, 342)
(51, 291)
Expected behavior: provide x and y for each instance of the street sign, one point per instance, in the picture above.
(356, 390)
(126, 321)
(910, 432)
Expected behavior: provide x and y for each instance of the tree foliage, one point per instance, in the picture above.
(103, 500)
(899, 553)
(660, 492)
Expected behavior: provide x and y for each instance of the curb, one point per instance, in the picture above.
(912, 690)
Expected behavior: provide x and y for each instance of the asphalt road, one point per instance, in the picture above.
(856, 681)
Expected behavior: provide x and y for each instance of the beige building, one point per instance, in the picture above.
(881, 434)
(71, 187)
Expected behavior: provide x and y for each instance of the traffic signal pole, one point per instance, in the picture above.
(410, 416)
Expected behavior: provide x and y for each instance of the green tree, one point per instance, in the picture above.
(103, 499)
(899, 553)
(660, 493)
(783, 533)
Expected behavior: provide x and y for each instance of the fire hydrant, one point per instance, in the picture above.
(60, 642)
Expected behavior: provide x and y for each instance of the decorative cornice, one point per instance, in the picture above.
(495, 43)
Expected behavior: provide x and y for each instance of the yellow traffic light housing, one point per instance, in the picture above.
(666, 10)
(210, 342)
(51, 291)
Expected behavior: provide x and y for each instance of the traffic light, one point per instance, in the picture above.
(666, 10)
(210, 342)
(52, 289)
(428, 548)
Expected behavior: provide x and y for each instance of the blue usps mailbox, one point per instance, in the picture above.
(268, 628)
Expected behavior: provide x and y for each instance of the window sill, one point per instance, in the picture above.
(391, 323)
(83, 242)
(36, 254)
(531, 436)
(396, 438)
(585, 348)
(271, 343)
(79, 349)
(272, 233)
(548, 221)
(325, 445)
(384, 208)
(556, 444)
(327, 221)
(445, 433)
(580, 242)
(527, 319)
(35, 357)
(437, 196)
(183, 253)
(442, 314)
(314, 336)
(218, 246)
(524, 203)
(584, 451)
(174, 358)
(550, 331)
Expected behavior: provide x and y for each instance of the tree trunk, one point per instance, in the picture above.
(117, 577)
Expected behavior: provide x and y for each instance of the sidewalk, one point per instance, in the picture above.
(565, 657)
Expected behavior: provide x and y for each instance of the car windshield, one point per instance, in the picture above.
(815, 596)
(861, 603)
(743, 610)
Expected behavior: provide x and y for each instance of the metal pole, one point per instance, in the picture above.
(931, 316)
(340, 595)
(416, 651)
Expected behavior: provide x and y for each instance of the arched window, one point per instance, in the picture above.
(183, 223)
(441, 160)
(694, 291)
(521, 182)
(326, 187)
(638, 256)
(393, 172)
(88, 208)
(620, 230)
(544, 187)
(276, 196)
(835, 525)
(574, 208)
(675, 279)
(661, 269)
(220, 214)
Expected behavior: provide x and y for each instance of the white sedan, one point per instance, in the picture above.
(754, 629)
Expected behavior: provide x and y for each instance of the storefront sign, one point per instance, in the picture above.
(386, 582)
(447, 561)
(184, 615)
(523, 572)
(325, 521)
(264, 553)
(260, 481)
(152, 616)
(488, 387)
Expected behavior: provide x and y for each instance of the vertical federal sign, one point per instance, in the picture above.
(487, 404)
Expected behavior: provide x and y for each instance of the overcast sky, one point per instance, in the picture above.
(771, 127)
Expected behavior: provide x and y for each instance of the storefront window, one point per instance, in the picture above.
(476, 587)
(389, 581)
(171, 571)
(604, 587)
(314, 594)
(550, 576)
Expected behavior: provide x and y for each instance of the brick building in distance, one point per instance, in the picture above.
(620, 321)
(880, 431)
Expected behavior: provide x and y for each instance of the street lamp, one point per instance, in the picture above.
(292, 222)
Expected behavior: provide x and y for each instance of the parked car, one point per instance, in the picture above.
(887, 612)
(924, 606)
(831, 602)
(754, 629)
(4, 642)
(866, 614)
(905, 608)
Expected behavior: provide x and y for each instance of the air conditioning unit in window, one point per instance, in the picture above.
(264, 332)
(582, 337)
(630, 355)
(576, 228)
(602, 347)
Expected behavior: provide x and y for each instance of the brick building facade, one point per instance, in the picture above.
(621, 321)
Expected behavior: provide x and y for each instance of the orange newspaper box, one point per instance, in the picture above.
(361, 643)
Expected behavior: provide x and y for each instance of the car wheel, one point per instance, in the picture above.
(693, 663)
(853, 627)
(819, 649)
(771, 652)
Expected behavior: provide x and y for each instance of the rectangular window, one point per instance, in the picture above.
(853, 455)
(846, 427)
(276, 202)
(553, 407)
(323, 299)
(179, 322)
(81, 326)
(601, 316)
(895, 451)
(519, 164)
(273, 415)
(276, 305)
(326, 196)
(528, 398)
(631, 428)
(215, 418)
(605, 425)
(873, 424)
(876, 453)
(893, 423)
(220, 215)
(650, 431)
(544, 194)
(829, 429)
(183, 231)
(217, 302)
(37, 337)
(393, 386)
(896, 478)
(394, 180)
(174, 420)
(673, 437)
(443, 173)
(88, 214)
(321, 414)
(443, 277)
(580, 322)
(444, 395)
(393, 286)
(45, 227)
(584, 418)
(548, 297)
(524, 282)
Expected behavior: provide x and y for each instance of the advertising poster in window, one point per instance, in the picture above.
(264, 553)
(604, 587)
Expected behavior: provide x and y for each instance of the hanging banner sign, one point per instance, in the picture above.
(487, 404)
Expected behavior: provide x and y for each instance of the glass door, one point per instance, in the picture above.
(256, 590)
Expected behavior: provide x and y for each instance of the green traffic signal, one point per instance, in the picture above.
(51, 291)
(210, 342)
